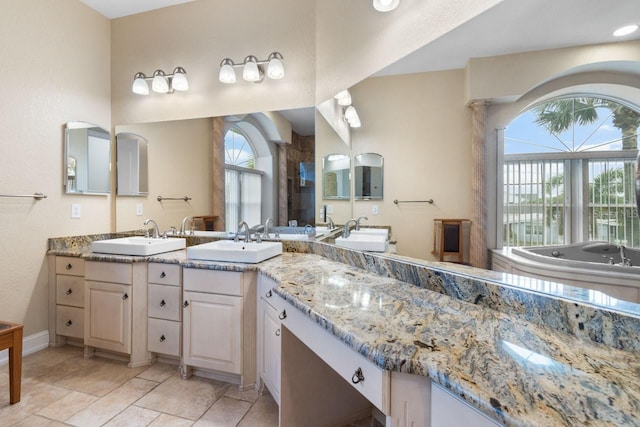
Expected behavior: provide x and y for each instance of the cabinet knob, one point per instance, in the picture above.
(69, 292)
(357, 376)
(282, 315)
(162, 338)
(69, 323)
(162, 303)
(277, 332)
(186, 304)
(69, 267)
(163, 275)
(269, 293)
(125, 297)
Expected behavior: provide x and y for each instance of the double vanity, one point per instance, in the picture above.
(337, 334)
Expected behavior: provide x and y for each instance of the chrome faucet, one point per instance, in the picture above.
(267, 227)
(358, 222)
(345, 230)
(156, 230)
(247, 233)
(623, 259)
(331, 225)
(183, 232)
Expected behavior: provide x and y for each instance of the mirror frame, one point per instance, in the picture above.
(357, 192)
(105, 168)
(327, 160)
(141, 161)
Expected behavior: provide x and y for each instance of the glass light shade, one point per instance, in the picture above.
(179, 81)
(626, 30)
(159, 84)
(227, 73)
(140, 85)
(275, 69)
(344, 98)
(351, 116)
(250, 72)
(385, 5)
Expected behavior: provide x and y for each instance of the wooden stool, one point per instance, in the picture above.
(11, 338)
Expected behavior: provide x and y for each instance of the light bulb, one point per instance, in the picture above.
(275, 69)
(227, 73)
(159, 83)
(624, 31)
(179, 81)
(344, 98)
(140, 85)
(251, 72)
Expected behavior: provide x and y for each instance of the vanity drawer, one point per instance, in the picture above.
(164, 302)
(163, 336)
(69, 265)
(265, 292)
(213, 281)
(70, 290)
(70, 321)
(164, 274)
(111, 272)
(371, 381)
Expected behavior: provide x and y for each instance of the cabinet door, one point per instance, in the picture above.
(108, 316)
(271, 350)
(212, 331)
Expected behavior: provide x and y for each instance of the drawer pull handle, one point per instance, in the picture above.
(69, 267)
(277, 332)
(162, 275)
(69, 323)
(162, 303)
(357, 376)
(269, 293)
(162, 338)
(69, 292)
(282, 315)
(186, 304)
(125, 297)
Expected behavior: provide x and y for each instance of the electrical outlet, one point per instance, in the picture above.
(139, 209)
(329, 209)
(374, 210)
(76, 210)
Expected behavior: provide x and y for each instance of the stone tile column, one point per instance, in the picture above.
(283, 211)
(478, 250)
(217, 160)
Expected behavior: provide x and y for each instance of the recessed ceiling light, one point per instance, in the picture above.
(626, 30)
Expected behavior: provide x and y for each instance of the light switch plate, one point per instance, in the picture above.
(139, 209)
(329, 209)
(374, 210)
(76, 210)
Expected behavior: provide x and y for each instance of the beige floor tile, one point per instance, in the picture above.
(159, 372)
(263, 413)
(95, 376)
(247, 396)
(226, 412)
(69, 405)
(110, 405)
(133, 416)
(166, 420)
(33, 397)
(42, 363)
(36, 421)
(184, 398)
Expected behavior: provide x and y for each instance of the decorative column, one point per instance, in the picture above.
(217, 160)
(478, 250)
(283, 211)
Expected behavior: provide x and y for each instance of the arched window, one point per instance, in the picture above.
(569, 174)
(243, 183)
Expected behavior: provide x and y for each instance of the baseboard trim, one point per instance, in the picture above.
(30, 344)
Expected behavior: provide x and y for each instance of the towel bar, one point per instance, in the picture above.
(185, 198)
(430, 201)
(37, 196)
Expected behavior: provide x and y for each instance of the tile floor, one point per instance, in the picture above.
(61, 388)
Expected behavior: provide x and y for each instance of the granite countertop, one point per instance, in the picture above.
(517, 372)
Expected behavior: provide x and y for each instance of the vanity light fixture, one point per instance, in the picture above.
(252, 69)
(343, 98)
(625, 31)
(160, 82)
(385, 5)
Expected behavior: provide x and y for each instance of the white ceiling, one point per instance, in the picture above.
(510, 27)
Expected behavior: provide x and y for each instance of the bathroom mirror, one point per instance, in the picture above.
(132, 168)
(368, 176)
(336, 171)
(87, 159)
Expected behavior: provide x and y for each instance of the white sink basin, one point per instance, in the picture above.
(372, 231)
(363, 242)
(230, 251)
(137, 245)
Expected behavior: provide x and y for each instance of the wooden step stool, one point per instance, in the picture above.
(11, 338)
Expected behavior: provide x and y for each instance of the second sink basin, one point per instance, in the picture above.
(137, 245)
(230, 251)
(363, 242)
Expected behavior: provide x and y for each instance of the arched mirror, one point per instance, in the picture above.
(132, 167)
(368, 176)
(336, 173)
(87, 159)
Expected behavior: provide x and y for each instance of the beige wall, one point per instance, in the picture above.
(180, 164)
(51, 76)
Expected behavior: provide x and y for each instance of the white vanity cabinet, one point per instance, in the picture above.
(219, 324)
(164, 314)
(69, 299)
(269, 332)
(115, 310)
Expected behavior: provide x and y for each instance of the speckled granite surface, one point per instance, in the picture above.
(518, 356)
